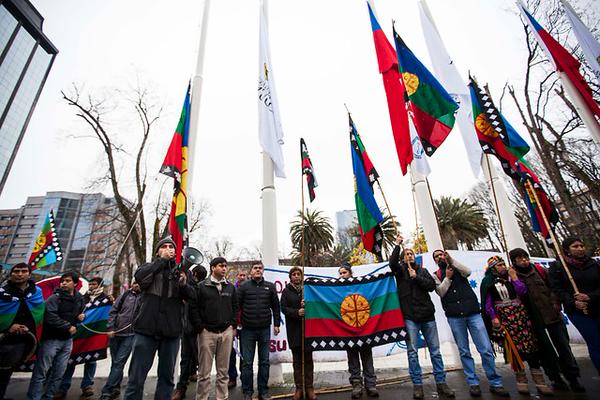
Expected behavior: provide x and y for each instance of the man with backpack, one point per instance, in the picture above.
(120, 333)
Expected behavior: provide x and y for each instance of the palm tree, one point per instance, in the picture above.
(460, 222)
(316, 231)
(387, 227)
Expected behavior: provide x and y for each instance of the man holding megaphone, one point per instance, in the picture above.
(158, 324)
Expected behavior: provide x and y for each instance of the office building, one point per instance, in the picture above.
(26, 56)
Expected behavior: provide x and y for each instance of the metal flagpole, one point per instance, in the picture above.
(196, 97)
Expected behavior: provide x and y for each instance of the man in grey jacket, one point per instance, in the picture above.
(120, 332)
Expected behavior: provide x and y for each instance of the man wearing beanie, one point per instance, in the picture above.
(544, 309)
(213, 314)
(462, 310)
(158, 324)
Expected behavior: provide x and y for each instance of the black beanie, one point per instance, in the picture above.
(168, 239)
(20, 265)
(518, 252)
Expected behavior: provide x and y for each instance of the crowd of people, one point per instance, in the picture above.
(217, 321)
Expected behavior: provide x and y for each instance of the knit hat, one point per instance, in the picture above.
(494, 260)
(20, 265)
(164, 241)
(568, 242)
(518, 252)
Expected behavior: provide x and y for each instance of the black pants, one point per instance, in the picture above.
(189, 359)
(5, 375)
(560, 339)
(532, 359)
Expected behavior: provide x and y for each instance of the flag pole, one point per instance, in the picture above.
(196, 96)
(491, 181)
(302, 266)
(532, 193)
(388, 207)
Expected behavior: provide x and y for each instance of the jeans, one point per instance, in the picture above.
(589, 327)
(52, 359)
(249, 339)
(189, 359)
(429, 331)
(120, 350)
(368, 371)
(144, 350)
(89, 371)
(473, 324)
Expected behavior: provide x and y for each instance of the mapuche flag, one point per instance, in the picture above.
(46, 250)
(562, 60)
(175, 165)
(344, 314)
(394, 91)
(367, 210)
(496, 135)
(433, 109)
(307, 169)
(89, 345)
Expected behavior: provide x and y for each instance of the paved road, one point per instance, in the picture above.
(333, 379)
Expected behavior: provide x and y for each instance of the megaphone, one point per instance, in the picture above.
(189, 257)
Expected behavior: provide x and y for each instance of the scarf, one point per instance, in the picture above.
(95, 293)
(577, 262)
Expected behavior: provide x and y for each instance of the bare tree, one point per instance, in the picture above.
(556, 130)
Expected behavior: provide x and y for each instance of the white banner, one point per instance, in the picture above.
(476, 260)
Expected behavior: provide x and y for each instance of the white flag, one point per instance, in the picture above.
(419, 161)
(448, 75)
(269, 122)
(589, 44)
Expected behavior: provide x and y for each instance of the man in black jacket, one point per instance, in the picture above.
(21, 309)
(462, 310)
(414, 284)
(213, 314)
(64, 310)
(158, 324)
(259, 303)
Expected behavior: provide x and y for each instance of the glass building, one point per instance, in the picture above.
(26, 56)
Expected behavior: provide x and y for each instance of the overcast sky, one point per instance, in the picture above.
(323, 56)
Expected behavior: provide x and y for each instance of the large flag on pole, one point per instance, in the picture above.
(432, 107)
(562, 60)
(175, 165)
(353, 313)
(496, 135)
(394, 91)
(534, 207)
(587, 41)
(308, 170)
(46, 249)
(269, 122)
(446, 71)
(367, 210)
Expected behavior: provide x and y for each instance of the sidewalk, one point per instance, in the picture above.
(332, 377)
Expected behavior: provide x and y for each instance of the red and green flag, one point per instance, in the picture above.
(433, 109)
(353, 313)
(308, 170)
(46, 249)
(87, 344)
(175, 165)
(394, 91)
(367, 210)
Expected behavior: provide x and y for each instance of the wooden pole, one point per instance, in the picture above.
(532, 193)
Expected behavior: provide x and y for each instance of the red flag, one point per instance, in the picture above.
(563, 61)
(394, 91)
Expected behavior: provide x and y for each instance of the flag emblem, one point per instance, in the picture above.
(411, 82)
(355, 310)
(484, 126)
